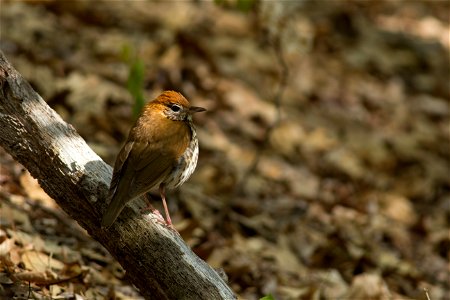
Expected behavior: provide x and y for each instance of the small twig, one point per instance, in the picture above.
(426, 293)
(44, 279)
(29, 290)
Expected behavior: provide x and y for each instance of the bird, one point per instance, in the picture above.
(161, 150)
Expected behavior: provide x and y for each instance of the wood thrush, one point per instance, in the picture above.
(161, 149)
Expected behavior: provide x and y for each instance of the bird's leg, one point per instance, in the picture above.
(159, 218)
(162, 192)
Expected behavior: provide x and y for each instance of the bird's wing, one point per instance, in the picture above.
(152, 159)
(117, 190)
(151, 163)
(120, 165)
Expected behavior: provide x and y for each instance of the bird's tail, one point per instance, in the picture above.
(112, 212)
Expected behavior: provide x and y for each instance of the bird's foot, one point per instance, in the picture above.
(172, 228)
(156, 214)
(170, 225)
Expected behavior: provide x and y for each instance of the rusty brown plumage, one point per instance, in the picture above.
(161, 149)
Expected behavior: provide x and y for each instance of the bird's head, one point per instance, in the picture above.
(175, 107)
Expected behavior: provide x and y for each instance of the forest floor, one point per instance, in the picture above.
(324, 163)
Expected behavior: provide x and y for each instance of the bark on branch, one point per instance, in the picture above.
(157, 260)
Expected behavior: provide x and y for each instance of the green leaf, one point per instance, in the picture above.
(245, 5)
(135, 85)
(267, 297)
(136, 77)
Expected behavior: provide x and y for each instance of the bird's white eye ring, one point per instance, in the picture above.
(175, 107)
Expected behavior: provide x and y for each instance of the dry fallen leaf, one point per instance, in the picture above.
(40, 262)
(369, 287)
(398, 208)
(34, 190)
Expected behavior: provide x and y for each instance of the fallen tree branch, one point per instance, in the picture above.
(156, 259)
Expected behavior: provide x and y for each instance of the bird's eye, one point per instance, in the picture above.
(175, 107)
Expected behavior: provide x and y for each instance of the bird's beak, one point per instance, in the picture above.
(196, 109)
